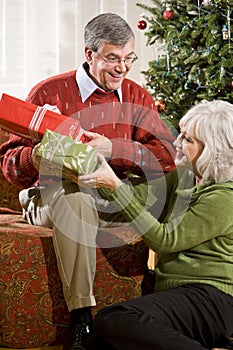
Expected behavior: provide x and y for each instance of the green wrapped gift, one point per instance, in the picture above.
(64, 155)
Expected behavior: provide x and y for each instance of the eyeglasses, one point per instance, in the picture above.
(114, 60)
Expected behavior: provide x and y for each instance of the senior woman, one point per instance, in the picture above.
(192, 307)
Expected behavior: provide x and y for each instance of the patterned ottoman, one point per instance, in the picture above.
(33, 312)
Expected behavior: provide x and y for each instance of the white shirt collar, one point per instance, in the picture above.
(87, 86)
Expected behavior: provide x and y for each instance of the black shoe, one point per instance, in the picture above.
(80, 336)
(80, 329)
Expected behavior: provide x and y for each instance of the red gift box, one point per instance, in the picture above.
(31, 121)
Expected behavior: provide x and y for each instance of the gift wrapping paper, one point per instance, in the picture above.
(31, 121)
(65, 155)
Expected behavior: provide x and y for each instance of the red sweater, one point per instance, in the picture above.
(142, 143)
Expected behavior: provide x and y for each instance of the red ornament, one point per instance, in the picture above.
(168, 14)
(160, 105)
(142, 24)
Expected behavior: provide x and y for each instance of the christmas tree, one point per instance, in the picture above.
(194, 57)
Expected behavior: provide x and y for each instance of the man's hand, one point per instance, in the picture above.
(44, 167)
(35, 159)
(101, 143)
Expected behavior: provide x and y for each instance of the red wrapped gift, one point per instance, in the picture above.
(30, 121)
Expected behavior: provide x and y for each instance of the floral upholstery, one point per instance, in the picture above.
(33, 311)
(8, 193)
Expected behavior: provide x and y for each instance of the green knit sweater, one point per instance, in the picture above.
(193, 234)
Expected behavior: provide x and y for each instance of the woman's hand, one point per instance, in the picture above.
(103, 177)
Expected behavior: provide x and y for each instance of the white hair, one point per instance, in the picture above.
(212, 124)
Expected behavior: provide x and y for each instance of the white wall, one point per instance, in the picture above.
(39, 38)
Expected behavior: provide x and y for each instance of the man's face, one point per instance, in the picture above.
(107, 66)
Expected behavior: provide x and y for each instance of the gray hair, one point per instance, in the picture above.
(212, 124)
(107, 28)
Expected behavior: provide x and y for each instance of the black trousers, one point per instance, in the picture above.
(190, 317)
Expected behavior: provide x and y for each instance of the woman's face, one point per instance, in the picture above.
(188, 150)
